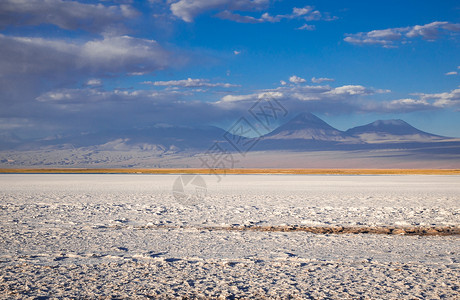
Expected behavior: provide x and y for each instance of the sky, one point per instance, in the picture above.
(70, 67)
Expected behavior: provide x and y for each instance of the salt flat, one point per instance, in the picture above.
(90, 235)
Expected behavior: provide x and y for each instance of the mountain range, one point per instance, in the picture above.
(308, 132)
(305, 132)
(304, 141)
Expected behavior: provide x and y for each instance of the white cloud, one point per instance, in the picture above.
(307, 27)
(386, 34)
(325, 96)
(451, 73)
(432, 30)
(296, 79)
(302, 11)
(228, 15)
(424, 102)
(265, 17)
(29, 56)
(320, 80)
(71, 15)
(341, 99)
(402, 105)
(94, 82)
(90, 95)
(237, 98)
(351, 90)
(306, 13)
(391, 37)
(124, 52)
(283, 82)
(232, 10)
(236, 52)
(270, 94)
(187, 10)
(272, 19)
(446, 99)
(190, 83)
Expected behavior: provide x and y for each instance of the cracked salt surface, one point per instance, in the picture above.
(89, 235)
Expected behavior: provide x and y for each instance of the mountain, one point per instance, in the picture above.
(306, 126)
(306, 132)
(391, 131)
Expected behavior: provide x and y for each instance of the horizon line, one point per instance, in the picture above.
(238, 171)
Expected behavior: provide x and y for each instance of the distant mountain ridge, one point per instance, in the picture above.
(304, 132)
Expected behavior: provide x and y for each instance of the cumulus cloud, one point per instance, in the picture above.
(351, 90)
(91, 95)
(228, 15)
(318, 99)
(307, 27)
(237, 98)
(432, 30)
(307, 93)
(94, 82)
(190, 83)
(344, 99)
(401, 105)
(306, 13)
(451, 73)
(324, 99)
(265, 17)
(70, 15)
(393, 36)
(296, 11)
(321, 79)
(187, 10)
(442, 100)
(120, 54)
(296, 79)
(423, 101)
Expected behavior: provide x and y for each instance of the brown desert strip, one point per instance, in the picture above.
(241, 171)
(388, 230)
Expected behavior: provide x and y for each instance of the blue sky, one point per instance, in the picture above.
(78, 66)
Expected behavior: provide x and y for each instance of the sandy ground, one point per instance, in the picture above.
(127, 236)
